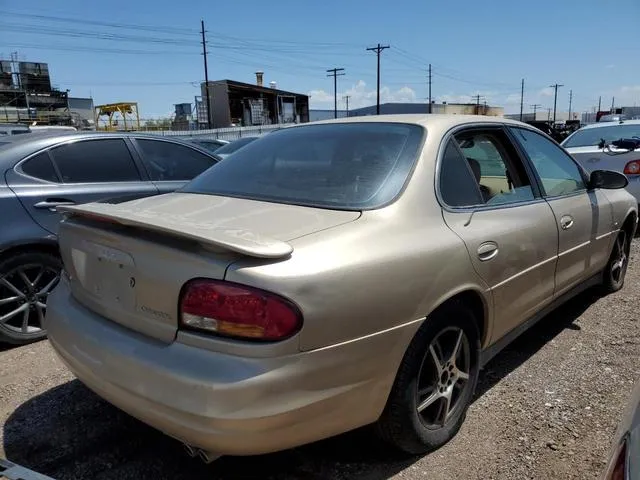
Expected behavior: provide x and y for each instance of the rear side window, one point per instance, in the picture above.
(348, 166)
(457, 185)
(95, 161)
(40, 167)
(168, 161)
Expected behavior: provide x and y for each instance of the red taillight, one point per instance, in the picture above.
(632, 168)
(237, 311)
(617, 470)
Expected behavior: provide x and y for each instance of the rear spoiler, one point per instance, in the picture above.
(208, 234)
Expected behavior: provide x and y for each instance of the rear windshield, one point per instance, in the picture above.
(235, 145)
(347, 166)
(592, 136)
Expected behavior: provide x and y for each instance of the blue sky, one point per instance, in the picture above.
(475, 47)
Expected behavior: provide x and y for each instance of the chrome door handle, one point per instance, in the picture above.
(566, 222)
(52, 205)
(487, 251)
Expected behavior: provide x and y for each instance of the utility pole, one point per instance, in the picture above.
(206, 74)
(430, 77)
(535, 109)
(613, 101)
(521, 98)
(477, 99)
(333, 72)
(599, 102)
(555, 99)
(570, 100)
(549, 114)
(378, 51)
(346, 99)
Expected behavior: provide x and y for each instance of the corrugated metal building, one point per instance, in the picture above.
(238, 103)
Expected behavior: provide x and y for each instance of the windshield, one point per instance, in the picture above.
(349, 166)
(229, 148)
(593, 136)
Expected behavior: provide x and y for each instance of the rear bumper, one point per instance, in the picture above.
(221, 403)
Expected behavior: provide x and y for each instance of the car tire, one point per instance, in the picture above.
(616, 270)
(42, 272)
(401, 425)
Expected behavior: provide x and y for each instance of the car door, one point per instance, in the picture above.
(584, 218)
(171, 165)
(509, 231)
(74, 172)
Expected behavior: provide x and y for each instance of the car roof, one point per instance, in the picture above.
(425, 120)
(16, 147)
(609, 124)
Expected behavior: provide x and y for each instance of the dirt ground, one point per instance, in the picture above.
(546, 408)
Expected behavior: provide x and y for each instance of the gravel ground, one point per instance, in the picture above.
(546, 407)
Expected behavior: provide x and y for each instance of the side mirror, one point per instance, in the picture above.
(607, 179)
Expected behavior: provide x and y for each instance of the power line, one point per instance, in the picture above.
(333, 72)
(378, 50)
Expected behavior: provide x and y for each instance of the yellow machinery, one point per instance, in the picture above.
(115, 113)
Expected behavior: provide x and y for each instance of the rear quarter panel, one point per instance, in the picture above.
(365, 277)
(18, 228)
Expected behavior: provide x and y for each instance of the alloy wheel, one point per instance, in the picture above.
(23, 297)
(618, 266)
(443, 377)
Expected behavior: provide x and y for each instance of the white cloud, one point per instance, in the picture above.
(546, 92)
(361, 96)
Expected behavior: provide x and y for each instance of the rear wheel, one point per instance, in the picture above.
(26, 279)
(616, 269)
(435, 383)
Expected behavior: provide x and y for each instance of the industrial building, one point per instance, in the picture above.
(439, 108)
(27, 96)
(236, 103)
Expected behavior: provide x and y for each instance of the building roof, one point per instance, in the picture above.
(254, 87)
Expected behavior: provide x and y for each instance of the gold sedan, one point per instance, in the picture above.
(333, 275)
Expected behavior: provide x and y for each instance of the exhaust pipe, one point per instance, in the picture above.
(192, 452)
(206, 457)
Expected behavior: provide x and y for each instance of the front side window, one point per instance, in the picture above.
(558, 172)
(483, 162)
(168, 161)
(95, 161)
(349, 166)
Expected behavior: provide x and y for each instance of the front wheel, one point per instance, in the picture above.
(616, 269)
(26, 280)
(435, 383)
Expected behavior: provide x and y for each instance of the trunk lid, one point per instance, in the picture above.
(129, 261)
(593, 158)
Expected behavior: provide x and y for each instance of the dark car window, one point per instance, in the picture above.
(169, 161)
(41, 167)
(593, 136)
(351, 166)
(235, 145)
(93, 161)
(494, 166)
(458, 188)
(558, 172)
